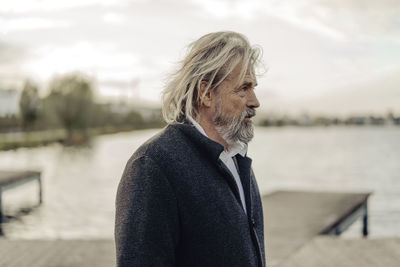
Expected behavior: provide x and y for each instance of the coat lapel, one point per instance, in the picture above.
(230, 180)
(244, 164)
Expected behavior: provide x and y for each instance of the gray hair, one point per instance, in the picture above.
(211, 59)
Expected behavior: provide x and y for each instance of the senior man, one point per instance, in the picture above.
(188, 196)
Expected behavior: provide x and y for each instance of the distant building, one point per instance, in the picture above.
(9, 102)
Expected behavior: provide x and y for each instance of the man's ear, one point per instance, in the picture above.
(205, 99)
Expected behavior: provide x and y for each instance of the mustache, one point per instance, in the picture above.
(249, 112)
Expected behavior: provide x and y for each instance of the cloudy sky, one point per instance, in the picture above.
(322, 55)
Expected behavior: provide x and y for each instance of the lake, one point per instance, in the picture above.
(80, 183)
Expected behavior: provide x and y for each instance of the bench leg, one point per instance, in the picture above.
(40, 190)
(1, 209)
(365, 221)
(1, 215)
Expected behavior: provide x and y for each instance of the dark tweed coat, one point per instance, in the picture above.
(178, 205)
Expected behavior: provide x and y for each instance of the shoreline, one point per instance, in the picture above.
(14, 140)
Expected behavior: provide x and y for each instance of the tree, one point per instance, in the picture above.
(134, 119)
(71, 98)
(29, 104)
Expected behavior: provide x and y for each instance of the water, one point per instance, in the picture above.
(80, 183)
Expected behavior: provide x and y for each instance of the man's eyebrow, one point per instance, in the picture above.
(251, 84)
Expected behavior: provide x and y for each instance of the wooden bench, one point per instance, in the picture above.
(293, 218)
(12, 179)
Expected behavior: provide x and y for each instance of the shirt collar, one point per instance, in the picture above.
(233, 150)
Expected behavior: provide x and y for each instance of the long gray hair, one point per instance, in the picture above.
(211, 59)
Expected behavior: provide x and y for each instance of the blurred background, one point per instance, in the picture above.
(80, 84)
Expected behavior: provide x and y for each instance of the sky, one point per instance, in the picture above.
(329, 56)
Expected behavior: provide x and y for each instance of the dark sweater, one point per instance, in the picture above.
(178, 205)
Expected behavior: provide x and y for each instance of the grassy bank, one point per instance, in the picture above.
(15, 140)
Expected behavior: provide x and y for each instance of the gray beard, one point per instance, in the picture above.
(233, 129)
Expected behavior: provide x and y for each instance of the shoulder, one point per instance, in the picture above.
(169, 141)
(176, 146)
(156, 157)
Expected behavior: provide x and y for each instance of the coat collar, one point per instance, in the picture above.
(233, 150)
(211, 148)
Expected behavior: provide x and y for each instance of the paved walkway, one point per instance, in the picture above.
(292, 219)
(57, 253)
(335, 252)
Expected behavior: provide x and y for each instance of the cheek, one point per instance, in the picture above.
(233, 103)
(238, 104)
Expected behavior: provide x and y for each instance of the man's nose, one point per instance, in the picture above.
(252, 100)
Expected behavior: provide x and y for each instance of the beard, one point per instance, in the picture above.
(234, 128)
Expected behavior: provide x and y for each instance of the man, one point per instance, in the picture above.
(188, 196)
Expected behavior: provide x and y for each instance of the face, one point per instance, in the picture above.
(235, 105)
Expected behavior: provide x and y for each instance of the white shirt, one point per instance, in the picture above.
(226, 158)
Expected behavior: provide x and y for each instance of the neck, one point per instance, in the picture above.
(208, 125)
